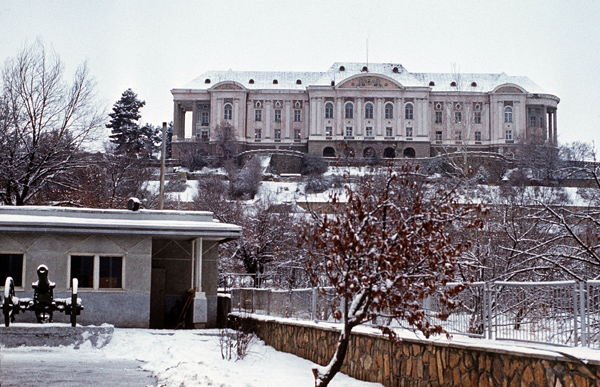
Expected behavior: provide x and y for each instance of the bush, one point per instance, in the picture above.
(312, 165)
(316, 184)
(235, 343)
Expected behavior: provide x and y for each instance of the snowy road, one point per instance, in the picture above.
(181, 358)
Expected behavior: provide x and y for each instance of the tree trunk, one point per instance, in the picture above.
(322, 378)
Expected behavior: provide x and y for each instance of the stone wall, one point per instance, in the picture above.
(410, 363)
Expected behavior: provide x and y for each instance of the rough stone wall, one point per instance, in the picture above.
(410, 363)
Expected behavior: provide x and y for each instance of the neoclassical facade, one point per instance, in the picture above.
(365, 110)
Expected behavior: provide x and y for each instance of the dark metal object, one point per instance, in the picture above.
(43, 302)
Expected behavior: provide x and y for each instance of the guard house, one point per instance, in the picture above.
(135, 268)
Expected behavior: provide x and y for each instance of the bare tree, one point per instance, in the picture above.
(45, 122)
(388, 248)
(225, 140)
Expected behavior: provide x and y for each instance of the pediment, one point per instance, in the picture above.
(369, 82)
(228, 86)
(509, 89)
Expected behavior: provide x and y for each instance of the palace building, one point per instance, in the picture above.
(366, 110)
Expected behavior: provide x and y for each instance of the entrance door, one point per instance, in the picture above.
(157, 298)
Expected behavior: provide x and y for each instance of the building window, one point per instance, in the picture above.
(389, 111)
(457, 117)
(82, 268)
(438, 136)
(296, 134)
(257, 134)
(97, 272)
(438, 117)
(477, 117)
(277, 115)
(409, 132)
(408, 111)
(329, 131)
(349, 110)
(369, 131)
(477, 135)
(508, 114)
(11, 265)
(111, 273)
(205, 120)
(297, 115)
(258, 115)
(509, 134)
(276, 134)
(369, 111)
(348, 131)
(389, 131)
(329, 110)
(458, 135)
(228, 112)
(532, 122)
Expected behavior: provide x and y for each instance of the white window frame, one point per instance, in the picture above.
(508, 134)
(96, 282)
(409, 131)
(257, 134)
(329, 110)
(349, 110)
(277, 134)
(389, 111)
(258, 115)
(439, 117)
(409, 110)
(297, 134)
(329, 131)
(349, 131)
(297, 115)
(508, 114)
(277, 115)
(389, 131)
(228, 112)
(368, 111)
(369, 131)
(477, 117)
(457, 117)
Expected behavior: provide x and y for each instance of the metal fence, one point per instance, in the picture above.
(560, 313)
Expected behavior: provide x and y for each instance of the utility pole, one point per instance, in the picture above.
(163, 156)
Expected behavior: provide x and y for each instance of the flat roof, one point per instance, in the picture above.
(164, 223)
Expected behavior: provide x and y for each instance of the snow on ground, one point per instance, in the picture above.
(193, 358)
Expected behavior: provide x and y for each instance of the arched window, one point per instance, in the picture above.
(389, 111)
(408, 111)
(349, 110)
(431, 83)
(508, 114)
(329, 110)
(228, 112)
(328, 152)
(369, 111)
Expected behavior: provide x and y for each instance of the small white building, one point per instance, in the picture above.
(135, 268)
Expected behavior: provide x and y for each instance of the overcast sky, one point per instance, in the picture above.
(153, 46)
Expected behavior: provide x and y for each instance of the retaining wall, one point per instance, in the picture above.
(407, 363)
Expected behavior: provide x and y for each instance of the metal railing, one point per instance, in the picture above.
(563, 313)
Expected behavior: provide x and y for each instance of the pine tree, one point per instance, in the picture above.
(126, 133)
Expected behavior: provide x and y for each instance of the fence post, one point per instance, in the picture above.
(252, 300)
(582, 312)
(269, 303)
(490, 288)
(575, 308)
(313, 311)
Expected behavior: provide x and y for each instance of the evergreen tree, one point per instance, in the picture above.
(127, 135)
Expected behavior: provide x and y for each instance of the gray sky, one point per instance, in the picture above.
(153, 46)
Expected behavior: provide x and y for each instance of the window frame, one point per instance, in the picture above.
(329, 131)
(349, 131)
(368, 131)
(349, 110)
(439, 117)
(329, 110)
(257, 134)
(297, 115)
(439, 135)
(458, 117)
(228, 112)
(276, 134)
(508, 114)
(297, 134)
(277, 115)
(389, 131)
(258, 115)
(477, 117)
(369, 111)
(96, 283)
(409, 131)
(21, 279)
(477, 135)
(409, 110)
(508, 135)
(205, 118)
(389, 111)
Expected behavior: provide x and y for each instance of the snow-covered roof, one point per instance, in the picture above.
(174, 224)
(339, 71)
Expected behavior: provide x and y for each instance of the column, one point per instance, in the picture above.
(555, 129)
(194, 119)
(359, 130)
(339, 124)
(267, 110)
(319, 114)
(249, 118)
(287, 118)
(236, 116)
(178, 128)
(313, 116)
(200, 315)
(378, 116)
(308, 125)
(400, 114)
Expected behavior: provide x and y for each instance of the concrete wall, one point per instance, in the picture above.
(422, 363)
(127, 307)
